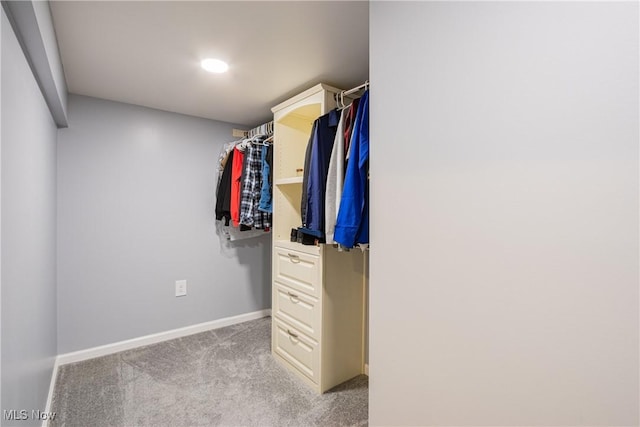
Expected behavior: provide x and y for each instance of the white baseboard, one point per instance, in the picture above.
(366, 369)
(54, 375)
(104, 350)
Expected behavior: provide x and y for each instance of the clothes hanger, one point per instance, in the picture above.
(256, 140)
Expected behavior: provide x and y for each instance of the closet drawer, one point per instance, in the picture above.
(298, 270)
(297, 349)
(297, 309)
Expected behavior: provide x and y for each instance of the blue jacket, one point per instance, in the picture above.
(352, 224)
(316, 184)
(266, 196)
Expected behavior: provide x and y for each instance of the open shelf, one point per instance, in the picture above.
(292, 134)
(286, 199)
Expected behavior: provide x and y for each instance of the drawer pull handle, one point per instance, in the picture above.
(293, 296)
(294, 258)
(291, 334)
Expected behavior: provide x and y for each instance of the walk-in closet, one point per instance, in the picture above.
(319, 213)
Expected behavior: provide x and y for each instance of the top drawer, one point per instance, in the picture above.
(299, 270)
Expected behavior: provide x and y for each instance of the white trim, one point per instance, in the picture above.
(103, 350)
(307, 93)
(54, 375)
(366, 369)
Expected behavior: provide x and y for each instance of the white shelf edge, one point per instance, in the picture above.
(309, 92)
(292, 180)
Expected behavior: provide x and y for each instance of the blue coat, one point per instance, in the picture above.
(316, 184)
(352, 224)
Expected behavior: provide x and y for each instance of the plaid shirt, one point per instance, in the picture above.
(251, 188)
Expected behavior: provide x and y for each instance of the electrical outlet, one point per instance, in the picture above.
(181, 288)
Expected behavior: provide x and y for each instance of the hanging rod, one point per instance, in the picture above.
(339, 97)
(364, 86)
(263, 129)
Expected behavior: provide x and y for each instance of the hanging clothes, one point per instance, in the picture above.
(348, 123)
(223, 193)
(322, 145)
(305, 174)
(250, 215)
(352, 224)
(335, 178)
(241, 165)
(243, 147)
(266, 193)
(236, 184)
(223, 158)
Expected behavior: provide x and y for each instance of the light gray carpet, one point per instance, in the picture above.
(224, 377)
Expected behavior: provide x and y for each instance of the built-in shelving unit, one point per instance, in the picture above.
(318, 292)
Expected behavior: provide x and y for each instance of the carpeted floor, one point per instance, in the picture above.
(224, 377)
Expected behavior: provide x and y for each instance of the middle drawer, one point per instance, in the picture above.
(297, 309)
(298, 270)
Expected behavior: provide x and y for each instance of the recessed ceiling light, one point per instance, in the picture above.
(214, 65)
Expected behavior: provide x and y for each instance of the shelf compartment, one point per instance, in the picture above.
(286, 202)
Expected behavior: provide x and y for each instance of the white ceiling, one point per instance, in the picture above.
(148, 53)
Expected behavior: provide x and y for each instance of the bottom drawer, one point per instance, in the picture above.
(297, 349)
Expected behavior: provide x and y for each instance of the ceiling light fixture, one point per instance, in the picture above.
(214, 65)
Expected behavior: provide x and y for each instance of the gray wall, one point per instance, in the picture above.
(2, 21)
(28, 227)
(504, 275)
(136, 213)
(33, 25)
(49, 42)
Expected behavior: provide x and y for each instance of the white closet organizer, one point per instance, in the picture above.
(318, 292)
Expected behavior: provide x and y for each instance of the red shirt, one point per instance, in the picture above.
(236, 185)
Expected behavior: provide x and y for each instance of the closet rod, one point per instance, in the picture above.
(339, 97)
(263, 129)
(364, 85)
